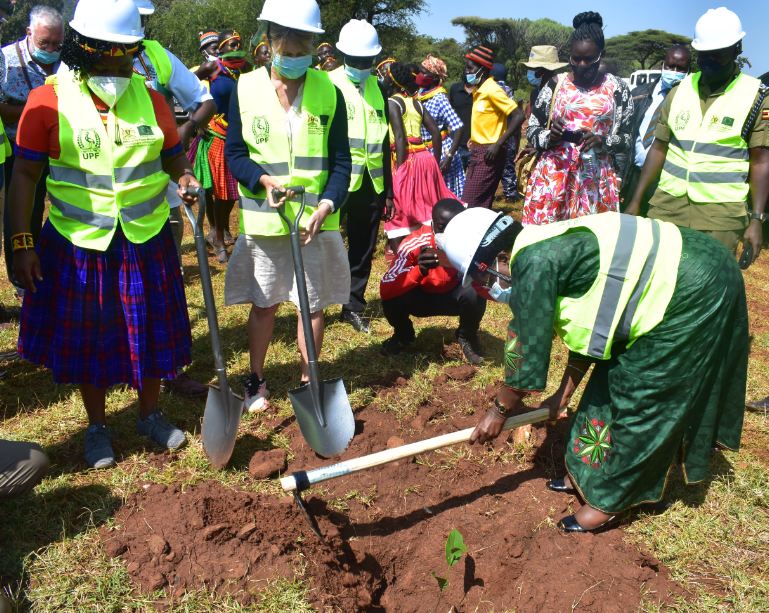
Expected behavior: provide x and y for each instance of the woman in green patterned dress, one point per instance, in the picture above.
(661, 314)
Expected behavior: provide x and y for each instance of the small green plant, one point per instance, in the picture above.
(455, 549)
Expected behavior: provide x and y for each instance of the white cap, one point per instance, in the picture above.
(462, 238)
(359, 38)
(145, 7)
(114, 21)
(303, 15)
(717, 29)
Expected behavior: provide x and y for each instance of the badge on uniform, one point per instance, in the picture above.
(728, 121)
(765, 114)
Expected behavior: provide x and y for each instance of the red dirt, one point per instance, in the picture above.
(386, 529)
(266, 464)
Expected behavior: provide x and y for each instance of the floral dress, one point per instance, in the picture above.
(562, 186)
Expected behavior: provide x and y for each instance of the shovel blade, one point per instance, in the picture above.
(220, 426)
(333, 438)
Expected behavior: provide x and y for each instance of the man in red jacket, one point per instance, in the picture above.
(420, 282)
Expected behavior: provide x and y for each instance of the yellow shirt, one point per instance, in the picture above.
(491, 108)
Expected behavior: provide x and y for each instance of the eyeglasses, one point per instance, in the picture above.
(575, 63)
(113, 50)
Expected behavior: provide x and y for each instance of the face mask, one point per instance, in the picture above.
(41, 56)
(473, 78)
(425, 81)
(357, 75)
(713, 71)
(586, 74)
(109, 89)
(291, 67)
(498, 294)
(533, 79)
(670, 77)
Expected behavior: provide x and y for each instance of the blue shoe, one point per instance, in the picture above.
(98, 448)
(159, 430)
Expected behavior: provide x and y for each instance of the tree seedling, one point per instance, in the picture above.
(455, 549)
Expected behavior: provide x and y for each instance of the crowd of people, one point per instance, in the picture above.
(648, 298)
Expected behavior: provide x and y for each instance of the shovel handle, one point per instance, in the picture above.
(304, 479)
(200, 194)
(277, 194)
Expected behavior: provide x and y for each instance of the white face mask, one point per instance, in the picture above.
(109, 89)
(499, 294)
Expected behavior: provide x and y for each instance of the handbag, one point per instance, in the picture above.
(525, 163)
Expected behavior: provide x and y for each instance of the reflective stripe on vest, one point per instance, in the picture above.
(97, 184)
(304, 161)
(638, 268)
(708, 160)
(5, 145)
(366, 128)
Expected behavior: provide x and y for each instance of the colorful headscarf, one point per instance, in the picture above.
(206, 38)
(436, 66)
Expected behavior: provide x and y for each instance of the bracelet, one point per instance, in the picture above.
(22, 241)
(187, 171)
(499, 409)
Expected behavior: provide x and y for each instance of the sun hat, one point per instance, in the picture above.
(544, 56)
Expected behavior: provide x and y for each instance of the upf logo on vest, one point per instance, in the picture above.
(350, 112)
(682, 119)
(89, 143)
(260, 128)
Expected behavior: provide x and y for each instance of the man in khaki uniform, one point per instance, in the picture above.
(705, 168)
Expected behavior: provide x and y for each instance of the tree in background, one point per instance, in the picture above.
(512, 39)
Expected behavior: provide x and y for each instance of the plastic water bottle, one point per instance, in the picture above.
(589, 161)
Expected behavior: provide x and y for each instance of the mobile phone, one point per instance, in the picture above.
(570, 136)
(747, 256)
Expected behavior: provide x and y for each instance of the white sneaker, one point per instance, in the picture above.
(256, 395)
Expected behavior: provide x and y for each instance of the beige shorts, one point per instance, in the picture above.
(261, 271)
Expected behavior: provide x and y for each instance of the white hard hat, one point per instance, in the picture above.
(717, 29)
(463, 236)
(301, 15)
(145, 7)
(358, 38)
(114, 21)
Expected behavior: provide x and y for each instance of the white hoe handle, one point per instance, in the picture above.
(355, 465)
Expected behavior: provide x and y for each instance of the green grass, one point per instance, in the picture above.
(715, 539)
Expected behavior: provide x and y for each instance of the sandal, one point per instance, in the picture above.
(221, 254)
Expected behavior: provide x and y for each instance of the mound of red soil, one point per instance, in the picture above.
(386, 528)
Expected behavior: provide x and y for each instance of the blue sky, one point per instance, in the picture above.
(619, 17)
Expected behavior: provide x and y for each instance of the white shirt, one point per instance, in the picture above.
(657, 98)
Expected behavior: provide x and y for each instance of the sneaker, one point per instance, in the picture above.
(184, 385)
(157, 427)
(98, 447)
(255, 398)
(355, 320)
(395, 345)
(471, 348)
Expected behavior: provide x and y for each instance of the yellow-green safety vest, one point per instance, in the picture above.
(109, 175)
(366, 128)
(302, 161)
(160, 61)
(638, 267)
(5, 144)
(708, 160)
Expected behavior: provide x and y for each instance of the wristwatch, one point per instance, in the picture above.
(762, 217)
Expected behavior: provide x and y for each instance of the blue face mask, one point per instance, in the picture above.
(533, 79)
(291, 67)
(41, 56)
(472, 78)
(357, 75)
(500, 295)
(670, 77)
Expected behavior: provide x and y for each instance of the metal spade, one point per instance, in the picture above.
(322, 408)
(222, 415)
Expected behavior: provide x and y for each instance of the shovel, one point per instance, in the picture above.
(322, 408)
(222, 415)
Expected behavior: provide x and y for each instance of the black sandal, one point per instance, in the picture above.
(559, 485)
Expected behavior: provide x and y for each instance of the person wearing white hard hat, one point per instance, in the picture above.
(26, 64)
(165, 73)
(711, 145)
(105, 301)
(659, 312)
(371, 182)
(287, 127)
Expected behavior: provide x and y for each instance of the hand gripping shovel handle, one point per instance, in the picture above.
(301, 287)
(301, 480)
(205, 281)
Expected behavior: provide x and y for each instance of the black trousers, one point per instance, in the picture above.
(464, 302)
(363, 209)
(36, 223)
